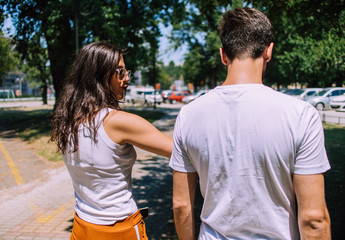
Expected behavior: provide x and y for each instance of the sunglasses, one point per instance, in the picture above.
(122, 72)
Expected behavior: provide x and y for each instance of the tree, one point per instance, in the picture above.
(169, 74)
(8, 60)
(36, 67)
(308, 41)
(196, 23)
(132, 24)
(47, 19)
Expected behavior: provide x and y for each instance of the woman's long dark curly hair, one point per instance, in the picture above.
(86, 91)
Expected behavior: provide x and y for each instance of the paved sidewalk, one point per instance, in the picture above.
(40, 209)
(43, 208)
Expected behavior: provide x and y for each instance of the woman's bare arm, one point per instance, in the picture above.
(123, 127)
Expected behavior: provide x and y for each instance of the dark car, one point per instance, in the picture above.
(177, 96)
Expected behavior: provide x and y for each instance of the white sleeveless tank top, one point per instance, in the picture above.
(101, 172)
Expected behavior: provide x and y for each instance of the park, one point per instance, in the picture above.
(39, 40)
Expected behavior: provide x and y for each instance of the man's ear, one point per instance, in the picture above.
(223, 56)
(268, 52)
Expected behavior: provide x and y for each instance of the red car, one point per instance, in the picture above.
(177, 96)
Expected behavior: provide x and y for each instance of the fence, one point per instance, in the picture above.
(338, 118)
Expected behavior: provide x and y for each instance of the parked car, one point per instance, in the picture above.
(177, 96)
(291, 91)
(304, 93)
(136, 94)
(338, 102)
(190, 98)
(166, 94)
(322, 99)
(152, 97)
(283, 90)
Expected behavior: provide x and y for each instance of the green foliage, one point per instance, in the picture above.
(172, 70)
(169, 74)
(197, 24)
(8, 60)
(309, 42)
(130, 24)
(36, 66)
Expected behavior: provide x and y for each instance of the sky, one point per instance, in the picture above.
(165, 55)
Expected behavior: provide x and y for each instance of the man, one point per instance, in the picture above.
(254, 149)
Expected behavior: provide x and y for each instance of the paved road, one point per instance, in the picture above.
(36, 196)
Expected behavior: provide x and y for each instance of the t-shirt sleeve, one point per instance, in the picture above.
(179, 160)
(311, 157)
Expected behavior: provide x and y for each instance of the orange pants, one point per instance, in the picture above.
(133, 227)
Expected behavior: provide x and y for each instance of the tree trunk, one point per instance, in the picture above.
(61, 50)
(339, 81)
(44, 91)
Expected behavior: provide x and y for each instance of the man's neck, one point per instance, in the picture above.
(245, 71)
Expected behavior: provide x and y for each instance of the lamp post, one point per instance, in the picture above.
(77, 12)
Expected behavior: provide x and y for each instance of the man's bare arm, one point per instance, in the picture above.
(183, 204)
(313, 216)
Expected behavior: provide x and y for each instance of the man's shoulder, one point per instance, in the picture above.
(201, 103)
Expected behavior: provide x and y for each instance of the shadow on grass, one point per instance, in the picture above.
(25, 124)
(33, 124)
(335, 178)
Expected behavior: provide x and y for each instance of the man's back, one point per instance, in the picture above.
(253, 149)
(246, 141)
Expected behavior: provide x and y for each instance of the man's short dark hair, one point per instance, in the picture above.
(245, 32)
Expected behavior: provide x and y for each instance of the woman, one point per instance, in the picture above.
(96, 139)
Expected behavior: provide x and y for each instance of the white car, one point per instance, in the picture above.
(338, 103)
(322, 99)
(152, 97)
(304, 93)
(136, 94)
(190, 98)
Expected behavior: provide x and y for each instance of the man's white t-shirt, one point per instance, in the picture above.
(245, 142)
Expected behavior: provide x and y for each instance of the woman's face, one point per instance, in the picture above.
(119, 85)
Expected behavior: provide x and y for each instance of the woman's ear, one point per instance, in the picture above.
(223, 56)
(268, 52)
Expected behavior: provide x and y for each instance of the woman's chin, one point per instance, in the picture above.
(119, 98)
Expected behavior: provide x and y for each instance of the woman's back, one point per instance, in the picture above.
(101, 174)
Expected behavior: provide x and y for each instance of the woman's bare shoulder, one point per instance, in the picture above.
(119, 118)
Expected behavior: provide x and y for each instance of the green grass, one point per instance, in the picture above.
(33, 127)
(335, 178)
